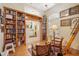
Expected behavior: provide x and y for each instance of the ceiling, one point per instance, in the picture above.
(39, 6)
(42, 6)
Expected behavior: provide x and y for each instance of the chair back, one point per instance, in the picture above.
(42, 50)
(56, 45)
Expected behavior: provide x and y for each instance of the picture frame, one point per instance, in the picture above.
(64, 13)
(65, 22)
(74, 10)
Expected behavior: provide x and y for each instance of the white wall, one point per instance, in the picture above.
(53, 18)
(32, 10)
(1, 40)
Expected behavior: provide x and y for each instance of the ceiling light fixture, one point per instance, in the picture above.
(46, 5)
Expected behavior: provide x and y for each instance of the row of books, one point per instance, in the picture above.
(20, 18)
(21, 27)
(21, 31)
(9, 36)
(10, 26)
(10, 12)
(10, 22)
(20, 22)
(20, 35)
(11, 31)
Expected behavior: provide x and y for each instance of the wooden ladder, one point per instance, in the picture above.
(73, 35)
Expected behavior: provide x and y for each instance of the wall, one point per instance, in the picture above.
(1, 40)
(53, 18)
(32, 10)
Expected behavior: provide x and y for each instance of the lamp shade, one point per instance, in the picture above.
(54, 27)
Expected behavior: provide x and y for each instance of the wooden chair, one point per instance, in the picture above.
(41, 50)
(9, 46)
(56, 45)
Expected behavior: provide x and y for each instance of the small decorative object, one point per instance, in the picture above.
(31, 25)
(12, 12)
(9, 16)
(35, 32)
(65, 22)
(7, 11)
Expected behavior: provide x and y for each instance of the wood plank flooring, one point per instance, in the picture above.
(23, 51)
(20, 51)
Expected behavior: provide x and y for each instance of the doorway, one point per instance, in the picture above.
(32, 32)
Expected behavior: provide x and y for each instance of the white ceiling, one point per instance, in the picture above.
(41, 6)
(38, 6)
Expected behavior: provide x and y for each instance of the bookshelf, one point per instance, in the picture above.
(15, 26)
(21, 27)
(44, 27)
(14, 29)
(9, 26)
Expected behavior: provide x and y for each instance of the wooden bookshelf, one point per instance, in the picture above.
(44, 27)
(20, 27)
(15, 25)
(9, 26)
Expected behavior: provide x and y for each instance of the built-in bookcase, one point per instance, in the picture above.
(14, 30)
(9, 26)
(44, 27)
(15, 26)
(21, 27)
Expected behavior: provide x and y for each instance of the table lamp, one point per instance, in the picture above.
(54, 28)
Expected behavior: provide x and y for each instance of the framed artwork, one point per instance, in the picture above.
(65, 22)
(74, 10)
(64, 13)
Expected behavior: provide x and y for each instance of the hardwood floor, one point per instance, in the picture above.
(72, 54)
(23, 51)
(20, 51)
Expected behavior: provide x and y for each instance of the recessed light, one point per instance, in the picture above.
(46, 5)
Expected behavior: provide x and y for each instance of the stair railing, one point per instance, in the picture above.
(74, 32)
(75, 26)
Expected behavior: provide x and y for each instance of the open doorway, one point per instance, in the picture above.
(32, 31)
